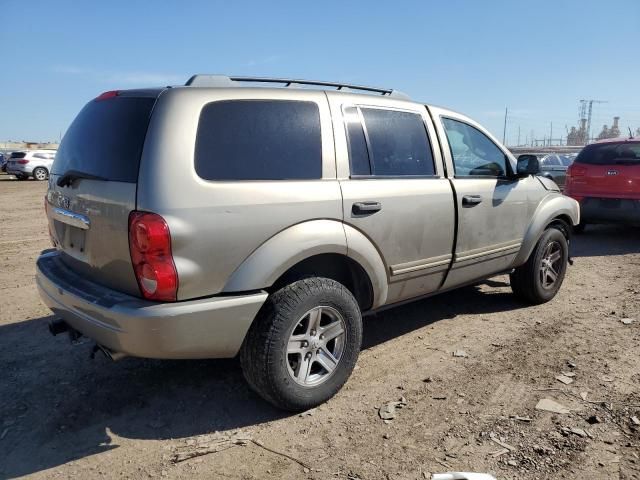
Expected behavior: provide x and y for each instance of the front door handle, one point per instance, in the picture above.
(471, 200)
(366, 208)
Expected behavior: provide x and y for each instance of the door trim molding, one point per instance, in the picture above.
(470, 257)
(436, 264)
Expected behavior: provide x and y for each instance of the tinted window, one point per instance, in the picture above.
(398, 143)
(18, 154)
(610, 154)
(358, 155)
(259, 140)
(474, 154)
(106, 139)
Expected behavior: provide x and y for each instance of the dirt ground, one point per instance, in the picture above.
(63, 415)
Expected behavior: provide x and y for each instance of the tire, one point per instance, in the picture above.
(40, 174)
(274, 357)
(532, 282)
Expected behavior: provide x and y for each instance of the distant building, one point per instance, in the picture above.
(612, 132)
(578, 136)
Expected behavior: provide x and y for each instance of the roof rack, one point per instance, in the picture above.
(226, 81)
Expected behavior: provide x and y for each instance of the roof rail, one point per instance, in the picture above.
(225, 81)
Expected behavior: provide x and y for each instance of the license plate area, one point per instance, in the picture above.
(71, 239)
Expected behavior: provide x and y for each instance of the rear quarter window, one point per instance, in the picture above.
(259, 140)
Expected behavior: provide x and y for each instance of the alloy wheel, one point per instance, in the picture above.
(315, 346)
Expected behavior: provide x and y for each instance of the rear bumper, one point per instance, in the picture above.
(610, 210)
(19, 169)
(213, 327)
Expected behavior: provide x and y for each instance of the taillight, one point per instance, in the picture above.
(24, 161)
(576, 170)
(107, 95)
(150, 247)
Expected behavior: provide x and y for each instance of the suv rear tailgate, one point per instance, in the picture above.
(92, 188)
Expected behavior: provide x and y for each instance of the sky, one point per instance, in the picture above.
(536, 58)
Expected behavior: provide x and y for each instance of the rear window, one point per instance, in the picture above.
(259, 140)
(106, 139)
(18, 154)
(610, 154)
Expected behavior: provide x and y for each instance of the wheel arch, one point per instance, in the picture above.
(553, 210)
(319, 248)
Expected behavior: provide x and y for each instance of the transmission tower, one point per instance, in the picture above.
(586, 109)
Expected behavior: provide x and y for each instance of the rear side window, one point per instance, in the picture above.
(398, 143)
(106, 139)
(18, 154)
(610, 154)
(259, 140)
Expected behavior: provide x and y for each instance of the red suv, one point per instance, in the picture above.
(605, 179)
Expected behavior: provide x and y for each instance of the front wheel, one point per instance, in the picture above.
(303, 345)
(538, 280)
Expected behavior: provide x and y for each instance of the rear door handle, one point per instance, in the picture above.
(471, 200)
(366, 208)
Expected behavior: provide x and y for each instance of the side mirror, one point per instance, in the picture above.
(528, 165)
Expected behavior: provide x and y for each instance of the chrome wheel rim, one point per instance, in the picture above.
(40, 174)
(551, 265)
(316, 345)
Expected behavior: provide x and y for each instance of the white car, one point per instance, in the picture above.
(31, 163)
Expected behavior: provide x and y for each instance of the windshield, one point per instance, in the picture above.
(566, 160)
(106, 138)
(610, 154)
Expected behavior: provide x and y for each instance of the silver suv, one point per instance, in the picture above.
(31, 163)
(232, 216)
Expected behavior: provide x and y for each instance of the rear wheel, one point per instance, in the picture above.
(40, 173)
(538, 280)
(303, 345)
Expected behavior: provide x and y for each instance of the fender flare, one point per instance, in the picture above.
(550, 208)
(289, 247)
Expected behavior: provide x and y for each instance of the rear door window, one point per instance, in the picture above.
(18, 154)
(610, 154)
(106, 139)
(259, 140)
(398, 143)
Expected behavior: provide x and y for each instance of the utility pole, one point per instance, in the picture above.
(551, 134)
(504, 131)
(518, 135)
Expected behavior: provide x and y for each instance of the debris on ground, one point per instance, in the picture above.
(520, 419)
(564, 379)
(548, 405)
(627, 321)
(388, 410)
(308, 413)
(460, 354)
(495, 439)
(635, 420)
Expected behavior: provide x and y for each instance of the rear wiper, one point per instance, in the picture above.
(71, 176)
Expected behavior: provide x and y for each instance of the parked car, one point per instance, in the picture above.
(554, 166)
(605, 179)
(31, 163)
(274, 218)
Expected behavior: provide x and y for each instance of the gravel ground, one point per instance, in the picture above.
(65, 416)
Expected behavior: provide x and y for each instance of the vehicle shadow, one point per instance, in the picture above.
(603, 240)
(59, 406)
